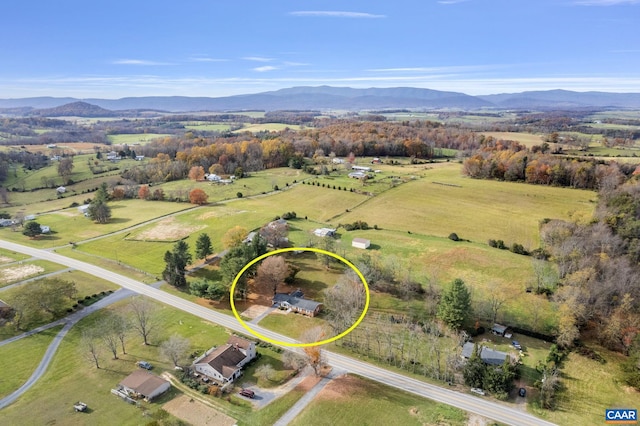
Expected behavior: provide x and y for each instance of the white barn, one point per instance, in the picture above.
(361, 243)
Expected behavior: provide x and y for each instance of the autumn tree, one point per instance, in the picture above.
(144, 192)
(203, 246)
(176, 262)
(198, 196)
(272, 272)
(455, 305)
(196, 173)
(314, 356)
(234, 237)
(175, 349)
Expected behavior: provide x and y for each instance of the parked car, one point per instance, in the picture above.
(478, 391)
(144, 364)
(80, 406)
(522, 392)
(248, 393)
(516, 344)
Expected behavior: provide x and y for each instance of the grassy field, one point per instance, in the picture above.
(18, 272)
(21, 358)
(71, 225)
(86, 284)
(267, 127)
(526, 139)
(443, 202)
(7, 256)
(206, 126)
(135, 139)
(588, 388)
(291, 325)
(351, 400)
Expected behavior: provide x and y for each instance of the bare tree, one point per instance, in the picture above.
(293, 360)
(344, 302)
(144, 319)
(90, 347)
(107, 332)
(275, 233)
(272, 272)
(496, 299)
(265, 371)
(314, 356)
(65, 167)
(175, 348)
(121, 328)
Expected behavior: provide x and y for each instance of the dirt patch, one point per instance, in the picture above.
(4, 259)
(254, 311)
(220, 213)
(340, 387)
(308, 383)
(196, 413)
(168, 230)
(476, 420)
(16, 273)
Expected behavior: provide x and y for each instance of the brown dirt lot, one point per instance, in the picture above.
(4, 259)
(16, 273)
(196, 413)
(341, 386)
(168, 230)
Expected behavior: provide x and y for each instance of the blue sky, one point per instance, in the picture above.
(113, 49)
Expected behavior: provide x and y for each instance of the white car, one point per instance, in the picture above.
(478, 391)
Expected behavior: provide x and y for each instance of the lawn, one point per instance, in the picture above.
(291, 325)
(444, 201)
(21, 359)
(71, 377)
(7, 256)
(352, 400)
(24, 270)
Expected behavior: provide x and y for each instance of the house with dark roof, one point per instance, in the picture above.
(224, 363)
(143, 384)
(501, 330)
(488, 355)
(296, 302)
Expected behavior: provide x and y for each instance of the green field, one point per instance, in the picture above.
(21, 358)
(267, 127)
(206, 126)
(135, 139)
(352, 400)
(443, 202)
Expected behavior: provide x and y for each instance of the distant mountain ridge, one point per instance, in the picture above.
(324, 97)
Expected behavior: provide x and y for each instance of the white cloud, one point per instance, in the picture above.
(336, 14)
(265, 68)
(204, 58)
(605, 2)
(138, 62)
(257, 59)
(295, 64)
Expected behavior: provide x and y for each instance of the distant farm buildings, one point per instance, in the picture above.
(361, 243)
(325, 232)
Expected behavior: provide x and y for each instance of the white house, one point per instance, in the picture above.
(224, 363)
(361, 243)
(361, 168)
(139, 157)
(84, 208)
(61, 189)
(212, 177)
(337, 161)
(145, 384)
(44, 229)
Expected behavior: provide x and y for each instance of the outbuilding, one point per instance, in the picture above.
(144, 384)
(361, 243)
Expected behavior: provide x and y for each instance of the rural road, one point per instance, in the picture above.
(477, 405)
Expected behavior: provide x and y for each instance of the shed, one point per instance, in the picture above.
(500, 330)
(325, 232)
(61, 189)
(143, 383)
(361, 243)
(44, 229)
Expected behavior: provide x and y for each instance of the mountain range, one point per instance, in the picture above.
(322, 97)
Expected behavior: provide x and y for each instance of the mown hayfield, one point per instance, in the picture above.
(268, 127)
(443, 202)
(135, 139)
(16, 272)
(206, 126)
(588, 388)
(21, 359)
(351, 400)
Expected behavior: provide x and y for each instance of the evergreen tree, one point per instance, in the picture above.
(176, 263)
(474, 371)
(203, 246)
(98, 210)
(455, 305)
(32, 229)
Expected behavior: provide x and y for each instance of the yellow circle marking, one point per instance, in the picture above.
(300, 345)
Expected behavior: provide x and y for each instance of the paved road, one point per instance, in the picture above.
(471, 403)
(69, 322)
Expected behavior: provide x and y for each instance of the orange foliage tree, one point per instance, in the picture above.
(196, 173)
(143, 192)
(198, 196)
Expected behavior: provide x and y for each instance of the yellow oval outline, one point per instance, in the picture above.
(300, 345)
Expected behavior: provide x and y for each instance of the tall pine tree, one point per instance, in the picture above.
(455, 305)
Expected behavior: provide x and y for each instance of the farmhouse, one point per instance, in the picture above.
(224, 363)
(337, 161)
(44, 229)
(361, 243)
(61, 189)
(113, 156)
(296, 303)
(325, 232)
(84, 208)
(6, 222)
(139, 157)
(489, 356)
(141, 383)
(212, 177)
